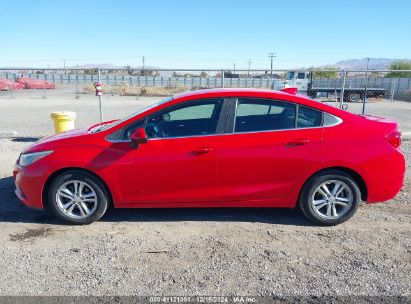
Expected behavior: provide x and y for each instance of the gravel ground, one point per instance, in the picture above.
(203, 252)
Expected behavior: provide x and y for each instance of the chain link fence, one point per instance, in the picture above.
(28, 96)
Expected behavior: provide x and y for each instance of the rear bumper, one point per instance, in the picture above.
(385, 177)
(29, 187)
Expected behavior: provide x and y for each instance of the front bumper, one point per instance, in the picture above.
(29, 186)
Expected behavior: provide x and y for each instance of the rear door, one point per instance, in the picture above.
(272, 144)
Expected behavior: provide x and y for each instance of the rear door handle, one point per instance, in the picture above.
(298, 142)
(202, 150)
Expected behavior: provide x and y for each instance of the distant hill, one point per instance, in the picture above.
(361, 64)
(94, 66)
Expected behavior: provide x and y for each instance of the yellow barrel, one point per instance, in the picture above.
(63, 121)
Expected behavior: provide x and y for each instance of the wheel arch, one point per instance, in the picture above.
(352, 173)
(61, 171)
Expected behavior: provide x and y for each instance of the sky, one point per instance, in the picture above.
(202, 34)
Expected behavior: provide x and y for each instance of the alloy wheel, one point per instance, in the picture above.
(77, 199)
(332, 199)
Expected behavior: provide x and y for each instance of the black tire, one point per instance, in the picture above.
(92, 184)
(307, 197)
(354, 97)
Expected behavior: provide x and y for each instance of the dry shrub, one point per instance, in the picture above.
(128, 90)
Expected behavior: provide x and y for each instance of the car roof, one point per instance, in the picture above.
(230, 92)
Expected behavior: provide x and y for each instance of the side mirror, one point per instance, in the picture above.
(138, 137)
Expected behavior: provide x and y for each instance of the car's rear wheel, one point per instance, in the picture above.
(77, 197)
(330, 198)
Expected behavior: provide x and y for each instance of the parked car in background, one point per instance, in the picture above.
(30, 83)
(218, 148)
(7, 85)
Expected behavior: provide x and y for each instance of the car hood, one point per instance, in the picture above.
(48, 142)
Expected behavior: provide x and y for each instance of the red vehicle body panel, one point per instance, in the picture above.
(260, 169)
(30, 83)
(7, 84)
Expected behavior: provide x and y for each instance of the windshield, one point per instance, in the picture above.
(106, 126)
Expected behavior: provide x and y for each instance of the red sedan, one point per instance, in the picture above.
(7, 85)
(218, 148)
(30, 83)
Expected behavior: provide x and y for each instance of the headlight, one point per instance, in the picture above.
(29, 158)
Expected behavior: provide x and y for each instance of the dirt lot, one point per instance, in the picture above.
(203, 252)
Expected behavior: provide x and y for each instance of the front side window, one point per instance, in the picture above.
(194, 118)
(254, 115)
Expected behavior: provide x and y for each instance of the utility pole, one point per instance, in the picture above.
(234, 68)
(64, 65)
(144, 62)
(249, 66)
(272, 56)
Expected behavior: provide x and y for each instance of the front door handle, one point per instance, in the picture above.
(298, 142)
(202, 150)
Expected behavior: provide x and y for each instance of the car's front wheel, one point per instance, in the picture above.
(330, 198)
(77, 197)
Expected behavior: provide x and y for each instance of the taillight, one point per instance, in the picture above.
(394, 139)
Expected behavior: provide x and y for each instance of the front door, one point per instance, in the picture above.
(178, 164)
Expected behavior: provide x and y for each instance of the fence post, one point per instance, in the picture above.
(392, 90)
(364, 100)
(44, 85)
(342, 89)
(222, 78)
(77, 91)
(99, 97)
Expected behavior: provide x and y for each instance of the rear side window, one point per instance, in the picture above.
(331, 120)
(308, 117)
(254, 115)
